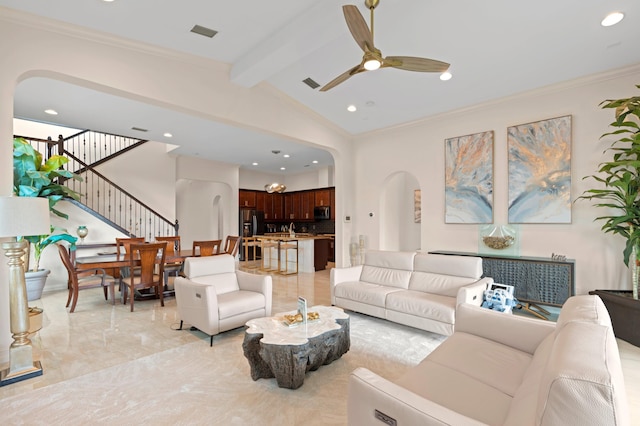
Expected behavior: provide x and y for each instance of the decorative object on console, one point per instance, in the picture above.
(82, 232)
(499, 239)
(20, 216)
(469, 178)
(540, 171)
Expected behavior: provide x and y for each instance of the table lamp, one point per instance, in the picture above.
(20, 216)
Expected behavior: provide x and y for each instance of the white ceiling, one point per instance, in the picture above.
(496, 49)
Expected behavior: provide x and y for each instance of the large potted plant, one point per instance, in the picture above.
(34, 177)
(620, 196)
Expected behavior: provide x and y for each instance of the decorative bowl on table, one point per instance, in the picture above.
(295, 319)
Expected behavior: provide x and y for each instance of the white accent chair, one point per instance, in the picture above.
(213, 297)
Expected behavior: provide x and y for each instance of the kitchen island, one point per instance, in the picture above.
(288, 253)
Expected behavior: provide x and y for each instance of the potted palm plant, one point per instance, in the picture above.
(620, 196)
(33, 177)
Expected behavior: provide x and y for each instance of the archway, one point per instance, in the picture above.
(400, 227)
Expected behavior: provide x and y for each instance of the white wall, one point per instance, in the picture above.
(318, 178)
(419, 150)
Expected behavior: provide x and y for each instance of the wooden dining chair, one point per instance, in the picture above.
(231, 245)
(84, 278)
(149, 260)
(173, 249)
(122, 245)
(206, 248)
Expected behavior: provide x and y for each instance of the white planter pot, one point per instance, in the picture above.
(35, 283)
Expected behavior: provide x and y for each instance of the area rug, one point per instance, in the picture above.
(196, 384)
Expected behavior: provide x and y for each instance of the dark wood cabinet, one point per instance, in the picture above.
(332, 203)
(322, 197)
(307, 203)
(247, 198)
(261, 200)
(296, 205)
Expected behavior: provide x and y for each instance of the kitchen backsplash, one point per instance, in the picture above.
(319, 227)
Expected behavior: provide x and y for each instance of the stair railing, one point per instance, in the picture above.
(100, 196)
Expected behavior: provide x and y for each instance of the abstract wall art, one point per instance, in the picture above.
(540, 171)
(417, 209)
(469, 178)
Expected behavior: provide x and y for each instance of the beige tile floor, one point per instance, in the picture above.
(100, 337)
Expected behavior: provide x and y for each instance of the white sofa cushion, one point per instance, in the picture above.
(208, 265)
(578, 382)
(223, 283)
(456, 391)
(442, 274)
(424, 305)
(218, 271)
(370, 294)
(583, 308)
(392, 269)
(239, 302)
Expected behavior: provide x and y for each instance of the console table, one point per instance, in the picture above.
(535, 279)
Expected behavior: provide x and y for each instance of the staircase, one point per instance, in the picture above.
(100, 196)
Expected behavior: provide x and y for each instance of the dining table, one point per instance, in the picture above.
(113, 263)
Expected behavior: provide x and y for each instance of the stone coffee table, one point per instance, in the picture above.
(275, 349)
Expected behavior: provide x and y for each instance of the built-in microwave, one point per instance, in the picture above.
(322, 212)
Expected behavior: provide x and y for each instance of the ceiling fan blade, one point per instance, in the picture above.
(342, 77)
(358, 27)
(411, 63)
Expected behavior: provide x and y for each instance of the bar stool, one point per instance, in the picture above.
(286, 247)
(266, 247)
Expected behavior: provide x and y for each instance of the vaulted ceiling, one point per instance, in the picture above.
(496, 49)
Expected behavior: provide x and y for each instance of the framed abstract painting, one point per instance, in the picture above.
(469, 178)
(540, 171)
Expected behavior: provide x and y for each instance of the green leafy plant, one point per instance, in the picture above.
(621, 179)
(34, 178)
(41, 242)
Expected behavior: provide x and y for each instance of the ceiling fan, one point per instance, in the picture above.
(372, 58)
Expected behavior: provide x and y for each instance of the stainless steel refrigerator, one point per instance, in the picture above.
(251, 224)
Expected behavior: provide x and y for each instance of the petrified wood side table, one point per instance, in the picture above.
(287, 353)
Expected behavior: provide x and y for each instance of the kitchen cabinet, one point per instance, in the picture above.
(295, 205)
(322, 197)
(261, 199)
(270, 204)
(247, 198)
(292, 206)
(332, 203)
(307, 203)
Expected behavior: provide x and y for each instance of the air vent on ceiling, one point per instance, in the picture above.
(139, 129)
(311, 83)
(203, 31)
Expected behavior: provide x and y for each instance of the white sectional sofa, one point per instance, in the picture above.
(502, 369)
(416, 289)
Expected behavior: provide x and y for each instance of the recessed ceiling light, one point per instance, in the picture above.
(283, 168)
(315, 161)
(612, 19)
(286, 156)
(445, 76)
(352, 108)
(107, 1)
(51, 111)
(168, 135)
(254, 164)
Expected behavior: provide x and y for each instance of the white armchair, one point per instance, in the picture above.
(214, 297)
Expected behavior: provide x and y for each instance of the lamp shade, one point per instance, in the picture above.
(24, 216)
